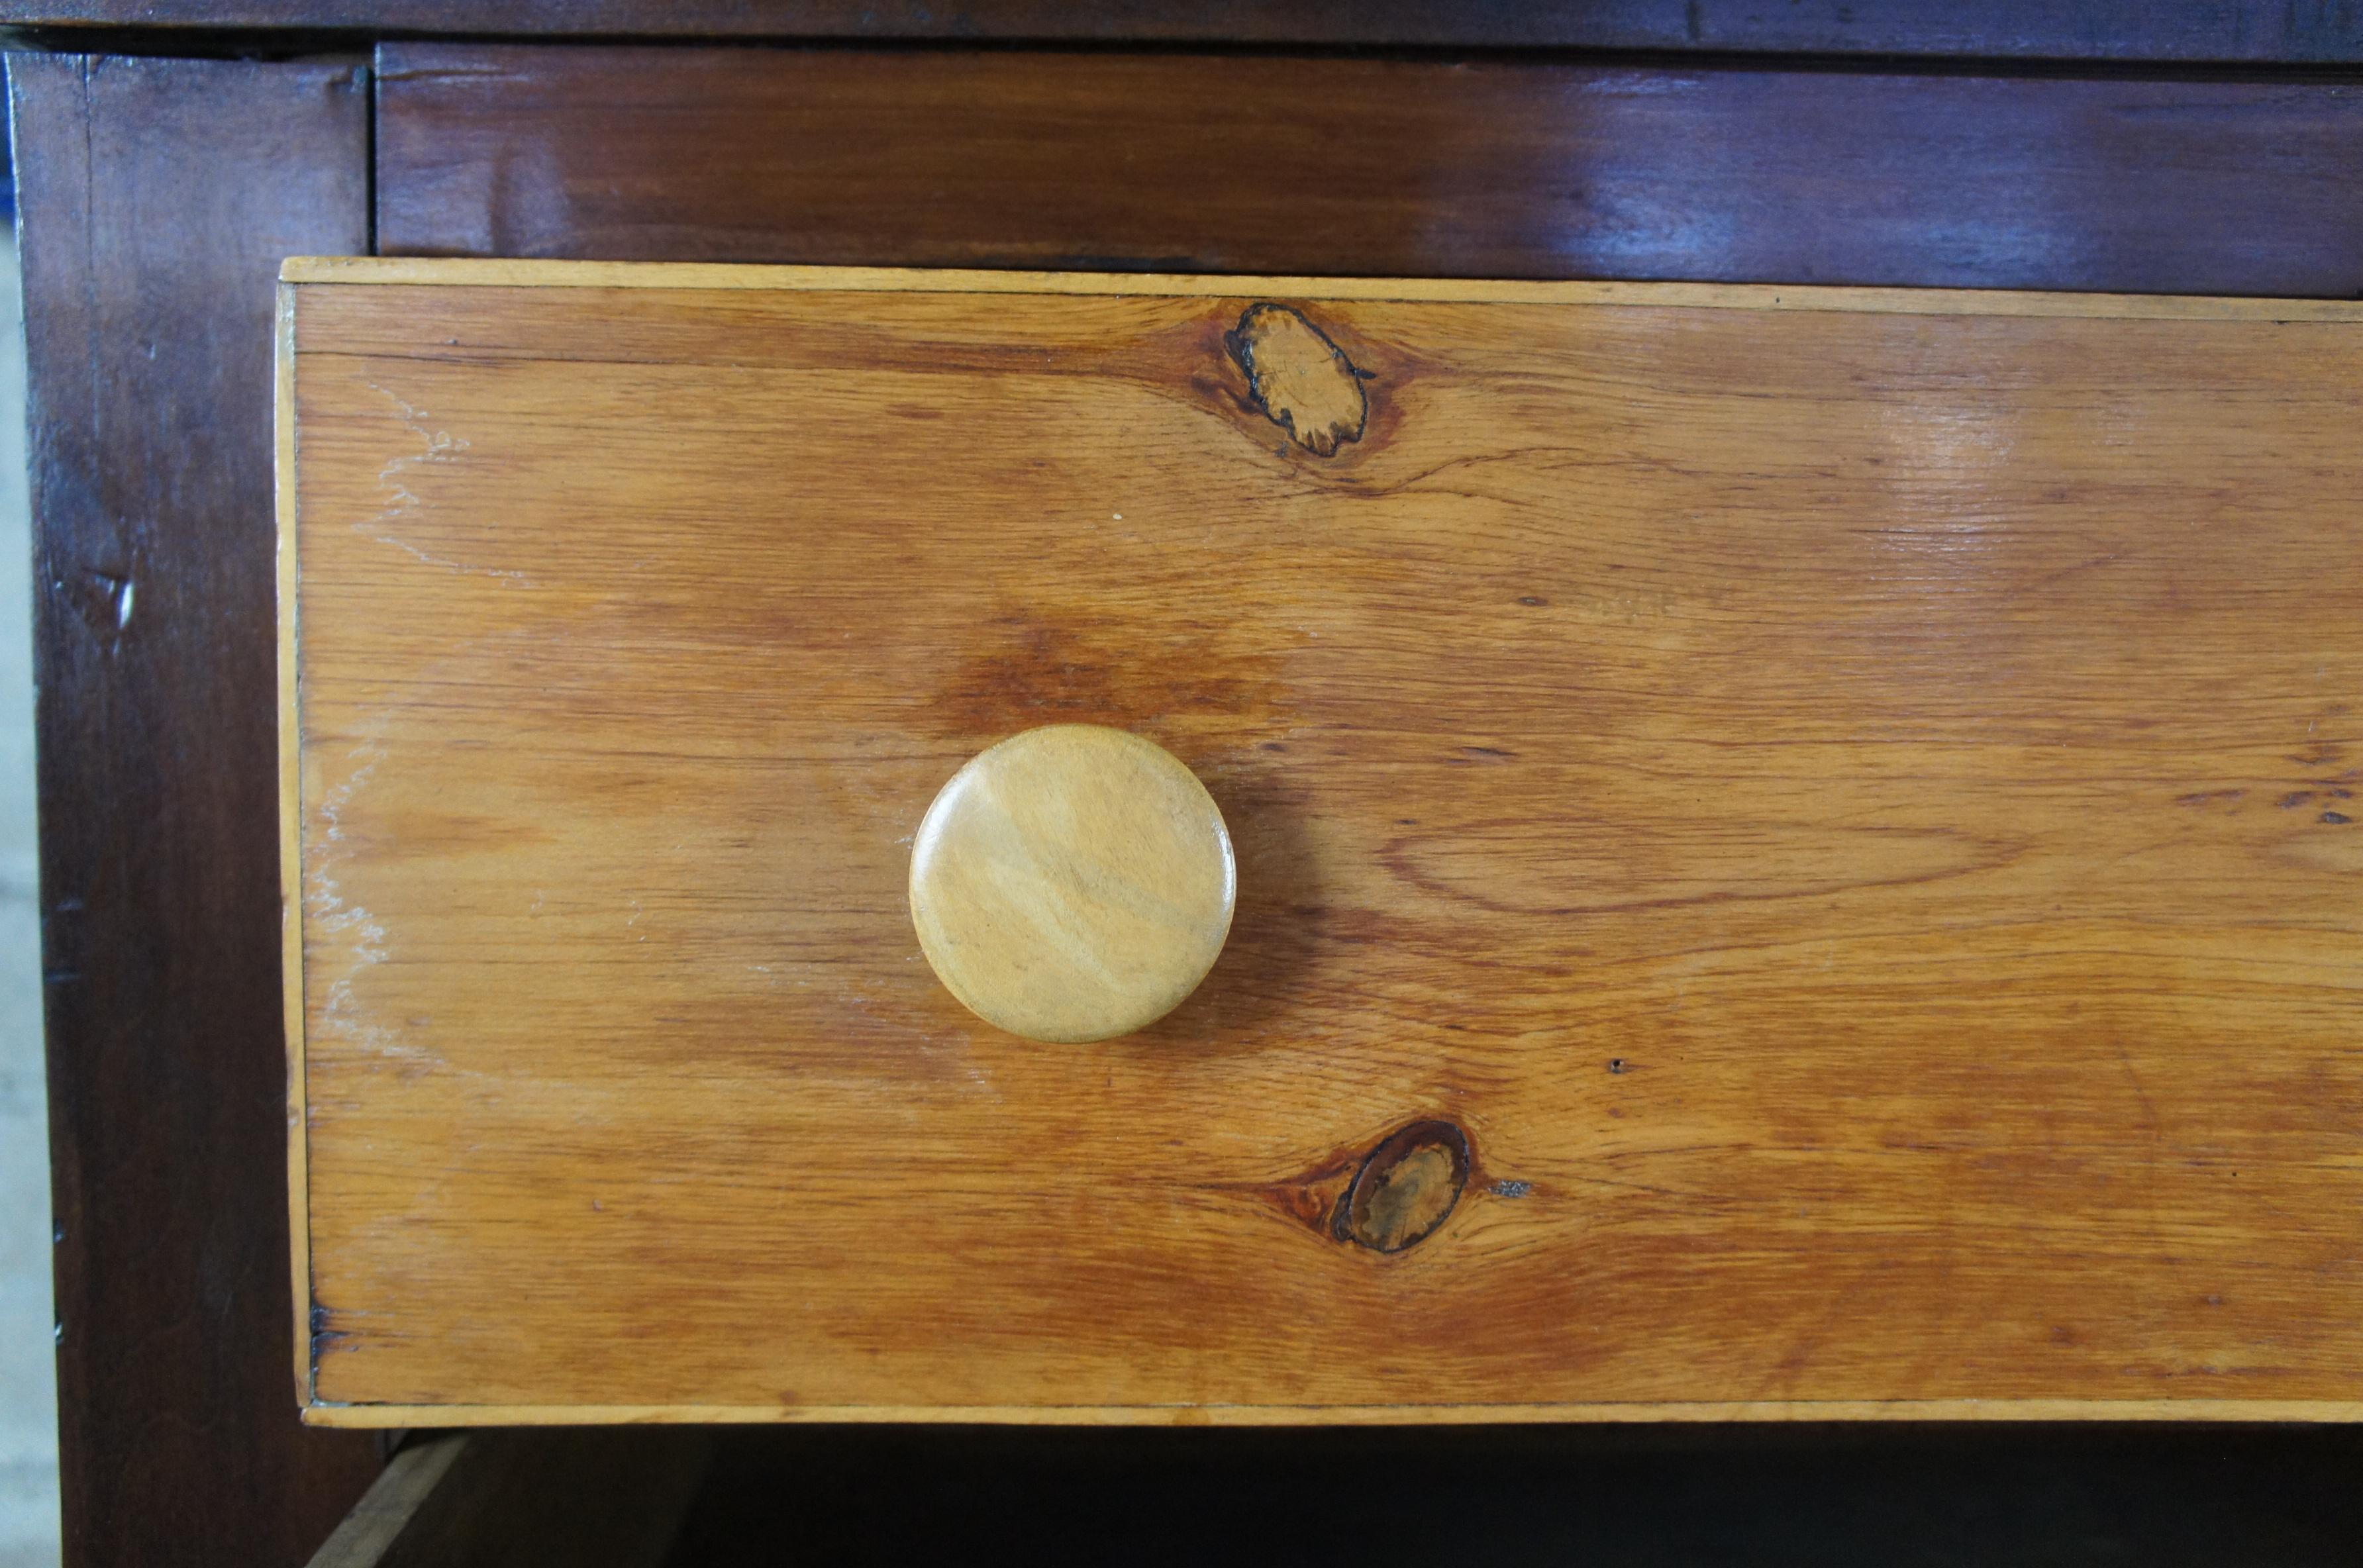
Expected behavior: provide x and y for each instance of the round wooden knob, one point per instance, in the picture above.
(1072, 883)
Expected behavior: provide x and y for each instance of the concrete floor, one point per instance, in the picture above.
(29, 1417)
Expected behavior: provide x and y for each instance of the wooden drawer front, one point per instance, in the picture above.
(1831, 809)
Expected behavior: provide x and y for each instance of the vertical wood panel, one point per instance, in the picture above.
(158, 198)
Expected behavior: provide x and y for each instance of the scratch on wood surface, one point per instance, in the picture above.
(437, 447)
(350, 927)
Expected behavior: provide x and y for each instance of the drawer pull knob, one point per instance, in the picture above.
(1072, 883)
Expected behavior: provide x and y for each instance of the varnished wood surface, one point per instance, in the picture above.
(156, 197)
(1404, 168)
(2251, 31)
(1847, 813)
(1072, 883)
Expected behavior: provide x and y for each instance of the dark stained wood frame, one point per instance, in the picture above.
(2257, 32)
(2213, 148)
(1199, 162)
(158, 197)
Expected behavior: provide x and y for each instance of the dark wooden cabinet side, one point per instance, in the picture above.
(158, 198)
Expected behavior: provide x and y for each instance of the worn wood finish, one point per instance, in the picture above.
(1835, 822)
(2257, 31)
(1072, 883)
(1398, 167)
(156, 197)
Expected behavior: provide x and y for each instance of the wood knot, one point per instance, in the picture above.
(1301, 381)
(1405, 1189)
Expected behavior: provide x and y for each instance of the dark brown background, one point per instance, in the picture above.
(175, 150)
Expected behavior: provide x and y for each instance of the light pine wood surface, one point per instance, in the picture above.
(1796, 851)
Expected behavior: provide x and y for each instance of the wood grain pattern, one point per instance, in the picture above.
(1072, 883)
(156, 198)
(1846, 812)
(2260, 31)
(1387, 168)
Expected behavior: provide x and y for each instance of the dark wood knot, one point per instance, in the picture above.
(1301, 380)
(1406, 1188)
